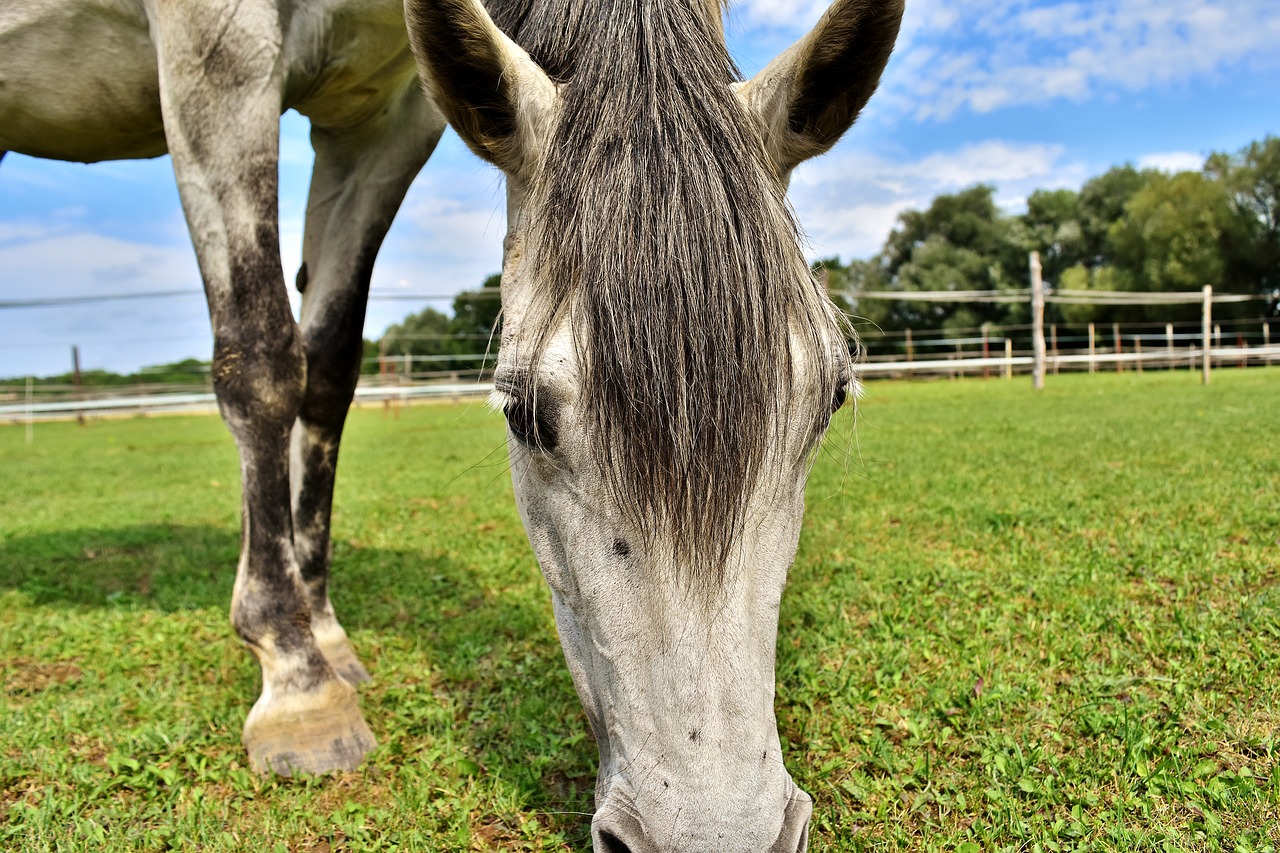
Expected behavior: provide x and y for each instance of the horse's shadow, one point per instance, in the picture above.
(419, 613)
(156, 566)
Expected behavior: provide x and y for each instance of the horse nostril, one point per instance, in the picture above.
(795, 825)
(620, 832)
(610, 843)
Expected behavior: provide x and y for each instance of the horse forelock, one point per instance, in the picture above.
(663, 239)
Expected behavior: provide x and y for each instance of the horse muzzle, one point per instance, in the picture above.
(619, 827)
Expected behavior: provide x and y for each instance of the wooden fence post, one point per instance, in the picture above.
(31, 436)
(1205, 322)
(1053, 343)
(1137, 350)
(76, 379)
(1093, 349)
(1115, 333)
(1168, 336)
(1008, 358)
(1037, 322)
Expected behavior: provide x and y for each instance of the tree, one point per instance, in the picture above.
(1170, 239)
(1126, 230)
(369, 356)
(479, 314)
(1054, 229)
(1251, 249)
(425, 333)
(429, 332)
(1102, 203)
(961, 242)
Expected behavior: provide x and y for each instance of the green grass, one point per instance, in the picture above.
(1017, 622)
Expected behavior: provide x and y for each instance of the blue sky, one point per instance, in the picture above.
(1022, 94)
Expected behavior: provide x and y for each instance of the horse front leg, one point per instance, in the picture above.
(359, 180)
(220, 94)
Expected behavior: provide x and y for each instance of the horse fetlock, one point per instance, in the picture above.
(317, 730)
(334, 644)
(274, 620)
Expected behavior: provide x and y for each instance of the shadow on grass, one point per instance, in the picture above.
(480, 627)
(165, 567)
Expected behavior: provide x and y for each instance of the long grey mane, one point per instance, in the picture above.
(660, 229)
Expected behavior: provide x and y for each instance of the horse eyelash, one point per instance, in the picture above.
(498, 400)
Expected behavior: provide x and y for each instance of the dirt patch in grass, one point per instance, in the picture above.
(25, 676)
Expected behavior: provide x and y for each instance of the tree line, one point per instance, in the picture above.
(1126, 230)
(189, 371)
(474, 328)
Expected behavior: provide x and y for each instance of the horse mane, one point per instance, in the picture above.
(661, 230)
(552, 31)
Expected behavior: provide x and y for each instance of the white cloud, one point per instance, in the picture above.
(25, 231)
(83, 263)
(118, 335)
(447, 237)
(985, 55)
(850, 200)
(797, 14)
(1173, 161)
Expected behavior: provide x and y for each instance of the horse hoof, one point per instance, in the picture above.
(319, 731)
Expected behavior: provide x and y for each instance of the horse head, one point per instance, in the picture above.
(667, 369)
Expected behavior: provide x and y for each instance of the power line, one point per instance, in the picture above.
(486, 293)
(92, 298)
(89, 299)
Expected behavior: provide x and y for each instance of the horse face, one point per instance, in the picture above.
(664, 506)
(676, 678)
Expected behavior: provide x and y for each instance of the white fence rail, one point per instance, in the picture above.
(140, 404)
(1162, 358)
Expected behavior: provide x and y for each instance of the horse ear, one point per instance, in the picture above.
(812, 93)
(495, 96)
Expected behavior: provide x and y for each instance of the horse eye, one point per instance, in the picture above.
(528, 426)
(842, 394)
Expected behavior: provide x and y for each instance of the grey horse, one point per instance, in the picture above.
(206, 81)
(668, 367)
(668, 362)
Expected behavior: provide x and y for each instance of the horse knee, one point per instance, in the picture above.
(259, 382)
(333, 353)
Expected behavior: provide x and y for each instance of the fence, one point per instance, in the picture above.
(118, 403)
(1008, 350)
(1207, 350)
(986, 351)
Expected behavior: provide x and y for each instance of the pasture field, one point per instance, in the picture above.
(1017, 622)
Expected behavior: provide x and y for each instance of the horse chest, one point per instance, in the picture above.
(344, 58)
